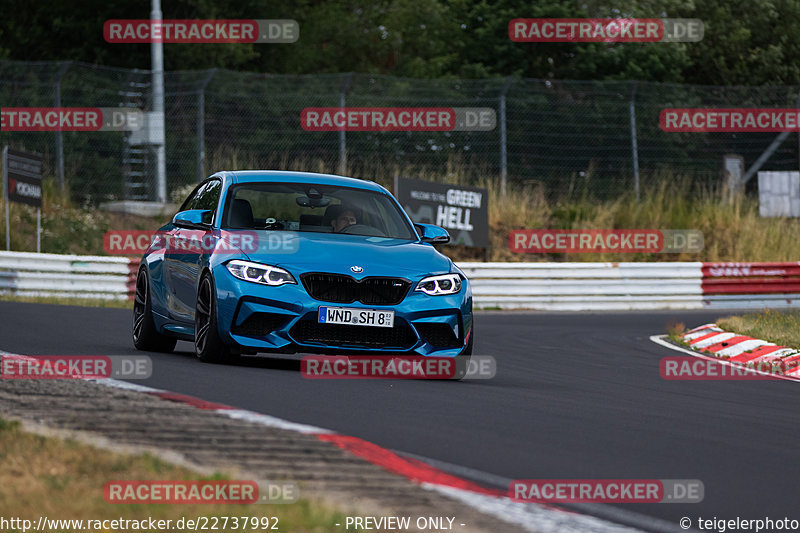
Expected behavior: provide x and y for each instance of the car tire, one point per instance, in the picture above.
(145, 335)
(208, 345)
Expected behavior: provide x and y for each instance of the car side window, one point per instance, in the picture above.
(192, 200)
(206, 197)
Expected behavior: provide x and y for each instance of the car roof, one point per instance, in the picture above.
(285, 176)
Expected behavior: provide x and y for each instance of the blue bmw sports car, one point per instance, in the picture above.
(291, 262)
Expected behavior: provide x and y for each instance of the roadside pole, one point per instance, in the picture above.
(5, 196)
(22, 183)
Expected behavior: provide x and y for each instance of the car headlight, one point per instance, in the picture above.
(259, 273)
(440, 285)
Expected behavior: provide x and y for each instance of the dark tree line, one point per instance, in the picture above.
(746, 43)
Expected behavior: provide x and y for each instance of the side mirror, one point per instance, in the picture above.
(432, 234)
(193, 219)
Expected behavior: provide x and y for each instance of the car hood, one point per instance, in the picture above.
(376, 256)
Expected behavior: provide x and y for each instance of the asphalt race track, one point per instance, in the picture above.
(575, 396)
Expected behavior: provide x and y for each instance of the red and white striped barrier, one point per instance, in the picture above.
(751, 284)
(544, 286)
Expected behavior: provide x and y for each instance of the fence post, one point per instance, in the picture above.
(62, 70)
(503, 140)
(201, 125)
(5, 197)
(766, 154)
(634, 148)
(342, 141)
(158, 114)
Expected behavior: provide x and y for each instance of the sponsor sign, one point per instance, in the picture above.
(24, 174)
(463, 211)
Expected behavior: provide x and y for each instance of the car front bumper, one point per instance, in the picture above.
(283, 319)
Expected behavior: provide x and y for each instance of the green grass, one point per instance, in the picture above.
(64, 479)
(675, 331)
(66, 228)
(732, 227)
(780, 327)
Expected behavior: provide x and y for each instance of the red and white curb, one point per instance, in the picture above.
(533, 517)
(711, 342)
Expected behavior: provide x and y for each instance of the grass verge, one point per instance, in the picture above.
(64, 479)
(780, 327)
(675, 331)
(731, 225)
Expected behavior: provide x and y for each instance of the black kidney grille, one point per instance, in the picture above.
(338, 288)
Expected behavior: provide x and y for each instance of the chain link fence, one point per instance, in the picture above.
(571, 137)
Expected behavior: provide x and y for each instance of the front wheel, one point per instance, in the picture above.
(145, 335)
(208, 345)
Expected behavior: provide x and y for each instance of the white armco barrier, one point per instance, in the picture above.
(586, 286)
(544, 286)
(70, 276)
(620, 286)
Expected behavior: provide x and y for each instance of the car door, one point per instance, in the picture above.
(183, 265)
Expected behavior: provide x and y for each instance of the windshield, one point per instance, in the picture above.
(314, 208)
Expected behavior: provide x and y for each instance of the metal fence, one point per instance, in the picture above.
(572, 137)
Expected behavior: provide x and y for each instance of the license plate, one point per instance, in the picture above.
(356, 317)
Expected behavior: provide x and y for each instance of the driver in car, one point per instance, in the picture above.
(345, 218)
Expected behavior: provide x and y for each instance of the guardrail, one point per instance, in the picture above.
(621, 286)
(544, 286)
(69, 276)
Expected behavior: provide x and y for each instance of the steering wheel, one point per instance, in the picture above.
(271, 223)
